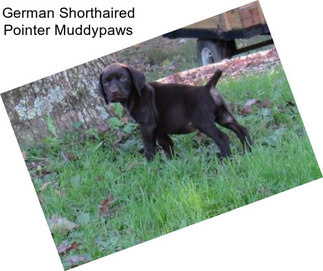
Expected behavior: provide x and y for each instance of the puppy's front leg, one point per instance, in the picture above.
(149, 140)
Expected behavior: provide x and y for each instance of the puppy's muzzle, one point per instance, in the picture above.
(114, 90)
(115, 93)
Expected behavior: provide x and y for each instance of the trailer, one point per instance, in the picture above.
(216, 36)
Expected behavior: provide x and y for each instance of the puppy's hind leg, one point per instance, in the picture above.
(227, 120)
(220, 138)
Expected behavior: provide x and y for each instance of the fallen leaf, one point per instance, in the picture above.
(75, 260)
(106, 210)
(42, 170)
(266, 103)
(32, 166)
(44, 186)
(246, 109)
(65, 247)
(60, 224)
(67, 157)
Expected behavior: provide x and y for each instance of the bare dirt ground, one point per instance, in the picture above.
(235, 67)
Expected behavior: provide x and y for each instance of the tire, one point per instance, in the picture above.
(209, 51)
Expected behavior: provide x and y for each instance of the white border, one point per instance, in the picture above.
(283, 232)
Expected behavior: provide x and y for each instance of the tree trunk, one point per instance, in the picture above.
(56, 103)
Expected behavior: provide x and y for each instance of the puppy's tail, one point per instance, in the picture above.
(214, 79)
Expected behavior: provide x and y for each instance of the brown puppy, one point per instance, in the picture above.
(164, 109)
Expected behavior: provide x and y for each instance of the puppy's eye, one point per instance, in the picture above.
(123, 78)
(107, 80)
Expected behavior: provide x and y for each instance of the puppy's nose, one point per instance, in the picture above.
(114, 89)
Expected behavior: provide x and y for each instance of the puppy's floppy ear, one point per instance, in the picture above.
(138, 79)
(101, 90)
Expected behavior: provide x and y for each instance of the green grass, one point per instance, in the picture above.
(151, 199)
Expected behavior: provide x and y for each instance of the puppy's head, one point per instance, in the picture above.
(118, 82)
